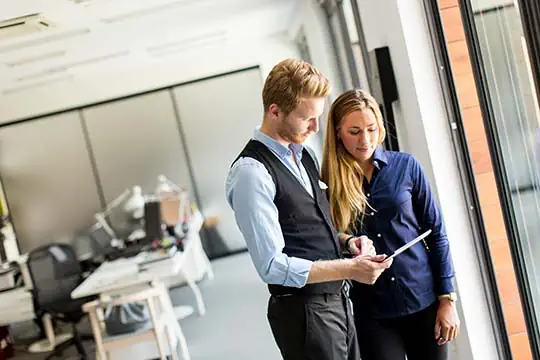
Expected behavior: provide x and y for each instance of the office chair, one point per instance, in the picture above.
(55, 273)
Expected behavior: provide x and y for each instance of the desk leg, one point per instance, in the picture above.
(209, 270)
(196, 291)
(167, 307)
(96, 329)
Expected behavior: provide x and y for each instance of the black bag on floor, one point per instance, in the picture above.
(126, 318)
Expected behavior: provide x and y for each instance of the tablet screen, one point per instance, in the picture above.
(408, 245)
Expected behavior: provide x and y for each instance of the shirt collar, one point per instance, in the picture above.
(380, 157)
(280, 149)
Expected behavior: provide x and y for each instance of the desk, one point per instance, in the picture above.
(114, 277)
(123, 275)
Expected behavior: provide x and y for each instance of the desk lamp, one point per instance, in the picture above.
(125, 213)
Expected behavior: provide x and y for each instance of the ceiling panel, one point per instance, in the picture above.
(101, 35)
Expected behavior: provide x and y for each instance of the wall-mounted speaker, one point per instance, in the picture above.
(384, 89)
(384, 82)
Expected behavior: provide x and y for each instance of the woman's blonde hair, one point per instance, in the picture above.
(289, 81)
(340, 170)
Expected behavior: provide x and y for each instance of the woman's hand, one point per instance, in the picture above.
(447, 322)
(362, 245)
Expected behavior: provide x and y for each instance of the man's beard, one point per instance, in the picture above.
(289, 135)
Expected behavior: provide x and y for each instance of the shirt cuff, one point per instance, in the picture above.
(446, 286)
(298, 272)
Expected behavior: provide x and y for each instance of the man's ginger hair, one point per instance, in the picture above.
(290, 81)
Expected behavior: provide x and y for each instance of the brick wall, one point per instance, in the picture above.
(485, 179)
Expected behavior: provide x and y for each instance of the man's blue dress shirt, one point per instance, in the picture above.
(250, 192)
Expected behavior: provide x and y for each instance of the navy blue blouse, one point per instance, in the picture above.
(401, 207)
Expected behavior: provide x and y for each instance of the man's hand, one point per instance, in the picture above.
(362, 245)
(367, 269)
(447, 323)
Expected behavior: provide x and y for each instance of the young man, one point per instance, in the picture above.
(282, 210)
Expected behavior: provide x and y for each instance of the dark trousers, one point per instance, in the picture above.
(317, 327)
(393, 339)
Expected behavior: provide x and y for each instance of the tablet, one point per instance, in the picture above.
(408, 245)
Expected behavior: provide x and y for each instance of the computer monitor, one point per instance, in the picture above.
(101, 240)
(152, 220)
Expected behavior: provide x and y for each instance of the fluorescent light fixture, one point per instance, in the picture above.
(34, 58)
(74, 64)
(178, 50)
(64, 67)
(188, 41)
(36, 84)
(187, 44)
(93, 60)
(44, 39)
(151, 10)
(39, 74)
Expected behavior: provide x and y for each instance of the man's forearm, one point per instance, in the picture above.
(330, 270)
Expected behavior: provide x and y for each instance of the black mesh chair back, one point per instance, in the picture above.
(55, 273)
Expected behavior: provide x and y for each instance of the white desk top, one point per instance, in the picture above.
(128, 272)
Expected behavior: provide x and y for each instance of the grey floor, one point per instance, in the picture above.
(234, 326)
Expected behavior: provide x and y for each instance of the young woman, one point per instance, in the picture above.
(410, 311)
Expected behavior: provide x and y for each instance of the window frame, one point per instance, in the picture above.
(465, 164)
(496, 154)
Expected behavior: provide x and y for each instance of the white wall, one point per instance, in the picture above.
(311, 18)
(424, 131)
(93, 87)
